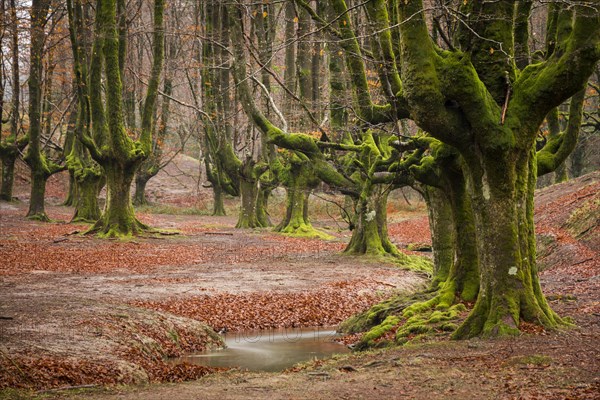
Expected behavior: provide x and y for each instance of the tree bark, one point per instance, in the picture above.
(110, 146)
(10, 147)
(41, 168)
(118, 219)
(299, 179)
(443, 234)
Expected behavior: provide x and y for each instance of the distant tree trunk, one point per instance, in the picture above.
(41, 167)
(317, 55)
(289, 74)
(249, 195)
(299, 180)
(153, 164)
(304, 64)
(70, 140)
(370, 235)
(11, 146)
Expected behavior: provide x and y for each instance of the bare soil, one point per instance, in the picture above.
(78, 311)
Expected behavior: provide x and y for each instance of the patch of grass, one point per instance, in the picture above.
(534, 359)
(171, 210)
(16, 394)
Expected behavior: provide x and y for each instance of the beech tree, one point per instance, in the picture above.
(151, 166)
(12, 145)
(475, 98)
(87, 175)
(42, 167)
(500, 109)
(109, 143)
(370, 236)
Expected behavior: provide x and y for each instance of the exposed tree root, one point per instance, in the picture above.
(304, 230)
(118, 231)
(41, 217)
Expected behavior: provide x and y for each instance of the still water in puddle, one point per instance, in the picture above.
(269, 350)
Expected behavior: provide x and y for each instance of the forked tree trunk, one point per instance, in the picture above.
(118, 218)
(300, 179)
(370, 234)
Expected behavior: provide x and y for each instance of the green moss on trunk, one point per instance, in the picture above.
(262, 201)
(118, 219)
(443, 234)
(37, 210)
(218, 204)
(249, 194)
(299, 178)
(510, 291)
(88, 185)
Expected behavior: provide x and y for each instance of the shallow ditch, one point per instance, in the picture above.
(269, 350)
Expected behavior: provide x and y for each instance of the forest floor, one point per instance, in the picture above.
(101, 315)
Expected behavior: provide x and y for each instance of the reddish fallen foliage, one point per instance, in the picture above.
(33, 371)
(250, 311)
(414, 230)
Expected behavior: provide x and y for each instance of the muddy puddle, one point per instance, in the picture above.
(269, 350)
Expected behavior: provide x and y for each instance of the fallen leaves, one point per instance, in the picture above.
(325, 306)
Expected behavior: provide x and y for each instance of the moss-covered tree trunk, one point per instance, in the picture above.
(249, 175)
(37, 210)
(88, 184)
(41, 167)
(443, 234)
(299, 180)
(110, 145)
(370, 234)
(510, 290)
(218, 201)
(11, 146)
(247, 216)
(493, 124)
(262, 202)
(118, 218)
